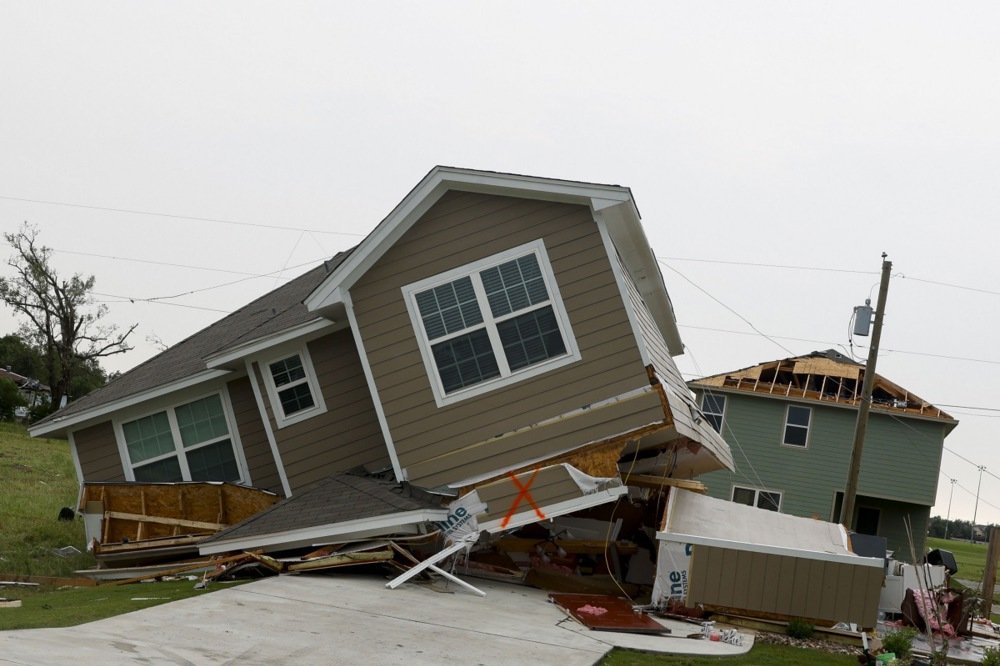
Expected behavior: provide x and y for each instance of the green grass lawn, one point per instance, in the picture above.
(46, 607)
(37, 478)
(759, 655)
(970, 557)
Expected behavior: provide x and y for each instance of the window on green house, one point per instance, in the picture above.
(797, 425)
(762, 499)
(713, 406)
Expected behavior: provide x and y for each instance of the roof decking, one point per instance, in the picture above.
(828, 377)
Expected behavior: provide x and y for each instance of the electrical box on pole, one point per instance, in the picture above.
(861, 426)
(863, 318)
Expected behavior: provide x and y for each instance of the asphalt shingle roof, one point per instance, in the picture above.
(336, 499)
(274, 311)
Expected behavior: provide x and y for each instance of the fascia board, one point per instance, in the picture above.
(325, 531)
(59, 424)
(630, 239)
(252, 347)
(840, 558)
(428, 191)
(555, 510)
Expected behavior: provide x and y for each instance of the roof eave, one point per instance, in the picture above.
(56, 425)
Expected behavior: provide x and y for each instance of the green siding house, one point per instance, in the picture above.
(790, 425)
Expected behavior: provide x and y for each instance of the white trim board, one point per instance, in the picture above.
(839, 558)
(258, 345)
(316, 533)
(61, 423)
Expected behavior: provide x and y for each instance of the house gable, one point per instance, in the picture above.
(437, 445)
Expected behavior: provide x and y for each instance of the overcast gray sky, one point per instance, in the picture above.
(775, 151)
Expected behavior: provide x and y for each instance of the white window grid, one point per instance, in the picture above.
(319, 405)
(507, 376)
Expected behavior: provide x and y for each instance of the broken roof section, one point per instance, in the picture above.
(828, 377)
(342, 507)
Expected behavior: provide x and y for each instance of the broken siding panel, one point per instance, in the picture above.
(538, 443)
(549, 486)
(256, 447)
(347, 435)
(97, 450)
(459, 229)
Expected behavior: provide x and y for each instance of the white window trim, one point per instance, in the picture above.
(175, 433)
(756, 495)
(785, 424)
(318, 408)
(507, 377)
(725, 406)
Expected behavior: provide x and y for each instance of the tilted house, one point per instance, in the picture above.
(492, 328)
(791, 425)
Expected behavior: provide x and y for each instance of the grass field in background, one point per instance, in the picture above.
(36, 480)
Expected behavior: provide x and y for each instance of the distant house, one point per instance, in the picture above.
(492, 328)
(791, 423)
(33, 391)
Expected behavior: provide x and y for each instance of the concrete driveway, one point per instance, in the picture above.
(346, 619)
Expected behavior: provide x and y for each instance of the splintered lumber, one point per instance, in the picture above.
(54, 581)
(347, 559)
(656, 482)
(190, 566)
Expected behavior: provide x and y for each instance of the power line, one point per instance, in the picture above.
(752, 264)
(837, 344)
(179, 217)
(126, 299)
(745, 320)
(155, 263)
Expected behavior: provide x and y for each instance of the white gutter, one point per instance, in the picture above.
(260, 344)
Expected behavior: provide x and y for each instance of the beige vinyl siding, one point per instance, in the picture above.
(791, 587)
(97, 450)
(256, 448)
(347, 435)
(550, 486)
(459, 229)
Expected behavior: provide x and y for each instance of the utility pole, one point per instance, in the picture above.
(975, 511)
(850, 494)
(947, 521)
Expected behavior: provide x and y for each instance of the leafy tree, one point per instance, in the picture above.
(21, 358)
(62, 319)
(10, 399)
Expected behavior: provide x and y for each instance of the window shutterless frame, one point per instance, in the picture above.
(795, 432)
(490, 323)
(758, 497)
(713, 406)
(179, 438)
(292, 387)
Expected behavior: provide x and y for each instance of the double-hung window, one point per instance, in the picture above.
(293, 388)
(713, 406)
(797, 426)
(762, 499)
(491, 322)
(189, 442)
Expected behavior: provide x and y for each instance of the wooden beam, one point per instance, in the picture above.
(658, 482)
(178, 522)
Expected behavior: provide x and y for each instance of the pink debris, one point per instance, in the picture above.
(592, 610)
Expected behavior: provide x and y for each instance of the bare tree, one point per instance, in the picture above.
(62, 319)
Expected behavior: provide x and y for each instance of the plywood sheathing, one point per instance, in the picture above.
(662, 482)
(155, 511)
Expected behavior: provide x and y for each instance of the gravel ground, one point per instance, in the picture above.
(810, 643)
